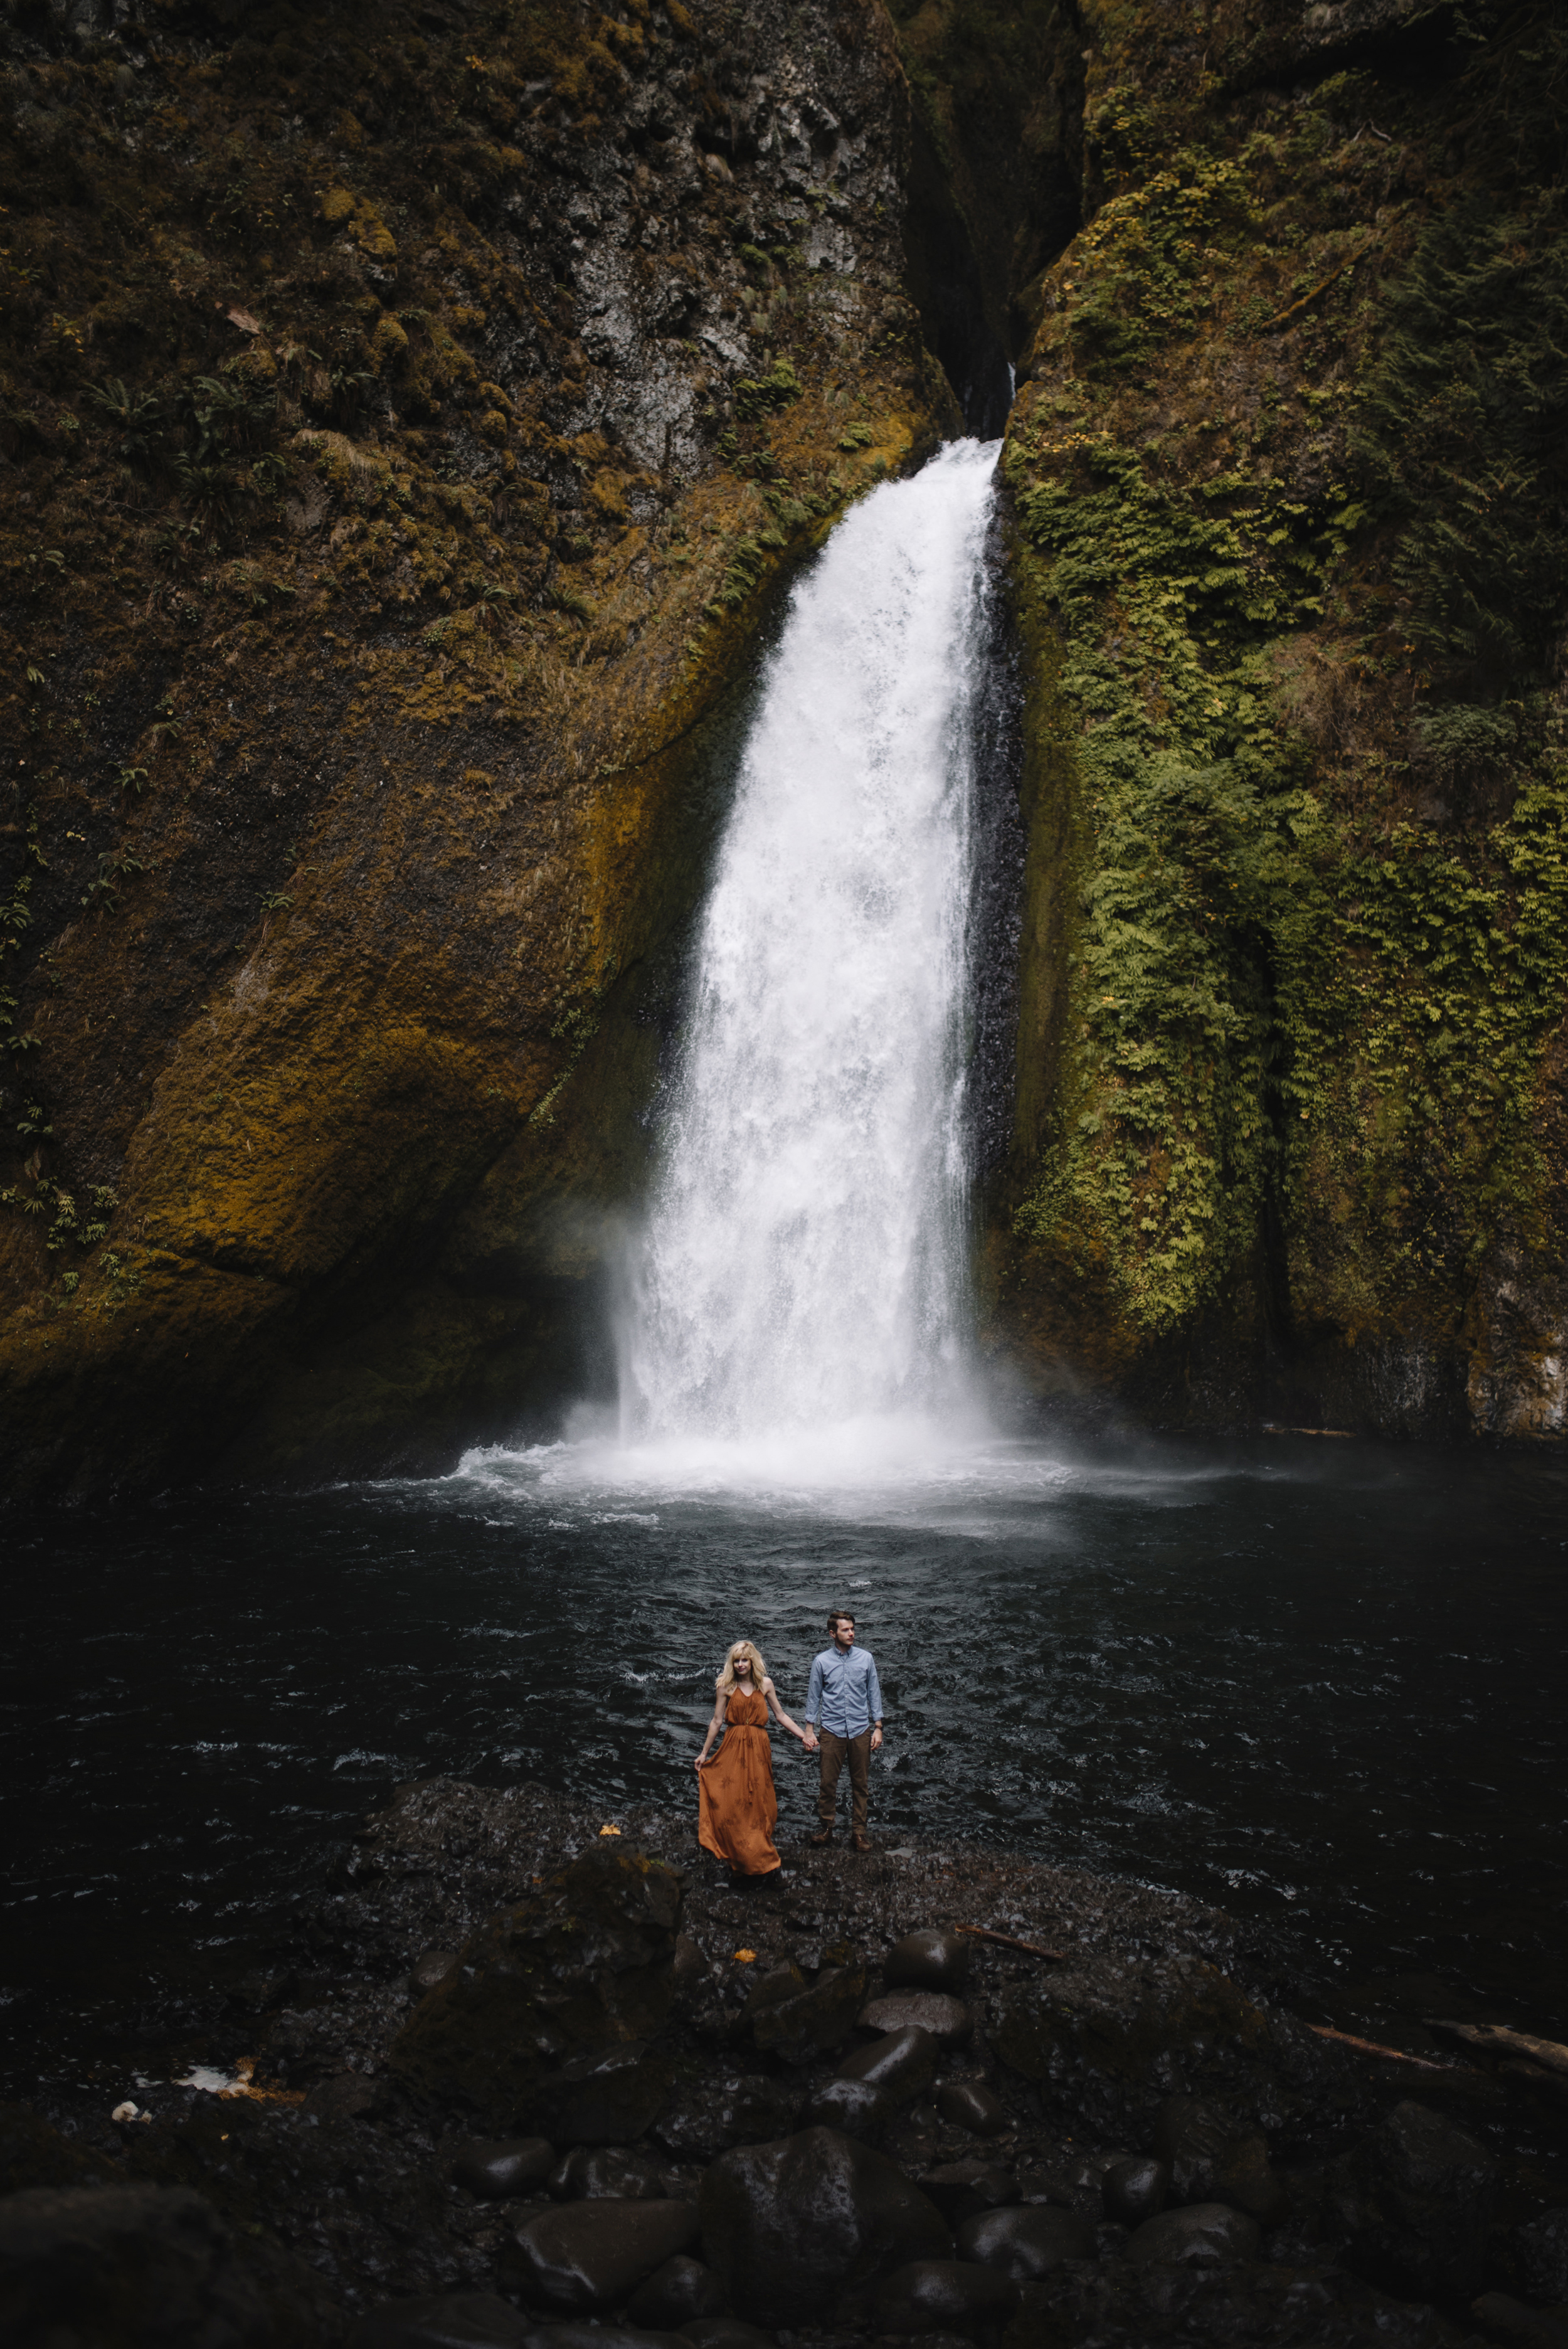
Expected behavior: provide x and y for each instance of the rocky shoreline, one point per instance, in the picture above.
(533, 2073)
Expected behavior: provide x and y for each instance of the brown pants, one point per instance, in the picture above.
(834, 1752)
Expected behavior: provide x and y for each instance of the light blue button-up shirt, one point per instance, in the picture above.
(844, 1692)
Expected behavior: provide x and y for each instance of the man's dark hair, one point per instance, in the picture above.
(840, 1615)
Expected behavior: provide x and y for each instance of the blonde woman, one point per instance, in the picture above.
(737, 1806)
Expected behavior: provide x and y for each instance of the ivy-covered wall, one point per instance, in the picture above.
(1289, 485)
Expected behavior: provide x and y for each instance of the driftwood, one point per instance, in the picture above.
(1011, 1942)
(1496, 2039)
(1372, 2047)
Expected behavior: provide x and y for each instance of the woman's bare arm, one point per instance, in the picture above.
(714, 1725)
(780, 1715)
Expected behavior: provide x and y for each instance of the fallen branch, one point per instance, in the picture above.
(1306, 302)
(1270, 1429)
(1372, 2047)
(1496, 2039)
(1011, 1942)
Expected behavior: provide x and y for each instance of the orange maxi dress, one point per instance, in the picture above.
(737, 1806)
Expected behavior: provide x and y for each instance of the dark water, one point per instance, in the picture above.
(1318, 1683)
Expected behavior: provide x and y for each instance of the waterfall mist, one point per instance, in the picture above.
(803, 1272)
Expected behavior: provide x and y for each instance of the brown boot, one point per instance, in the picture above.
(863, 1843)
(825, 1837)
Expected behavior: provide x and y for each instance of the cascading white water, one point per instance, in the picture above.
(804, 1262)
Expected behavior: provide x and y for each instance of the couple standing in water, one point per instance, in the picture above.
(737, 1806)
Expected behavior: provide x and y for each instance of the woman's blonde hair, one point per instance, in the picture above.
(727, 1680)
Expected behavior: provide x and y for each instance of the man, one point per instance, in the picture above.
(845, 1696)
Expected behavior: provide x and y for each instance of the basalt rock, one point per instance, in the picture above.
(700, 2117)
(587, 1963)
(130, 2265)
(805, 2023)
(1211, 2159)
(971, 2105)
(676, 2294)
(791, 2228)
(1024, 2241)
(857, 2107)
(1417, 2197)
(944, 2296)
(592, 2173)
(933, 1959)
(961, 2190)
(947, 2019)
(587, 2257)
(1135, 2189)
(898, 2066)
(1205, 2235)
(500, 2169)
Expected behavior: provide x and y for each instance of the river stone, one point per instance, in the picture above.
(682, 2289)
(901, 2065)
(1419, 2203)
(944, 2296)
(606, 2173)
(1135, 2189)
(586, 2257)
(771, 1989)
(587, 1963)
(946, 2018)
(960, 2188)
(790, 2227)
(802, 2027)
(606, 2096)
(932, 1959)
(499, 2169)
(699, 2118)
(447, 2320)
(855, 2107)
(1205, 2235)
(124, 2264)
(1024, 2240)
(430, 1969)
(971, 2105)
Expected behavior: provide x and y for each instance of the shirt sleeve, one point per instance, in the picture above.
(873, 1689)
(814, 1691)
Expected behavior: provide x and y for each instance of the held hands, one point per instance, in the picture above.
(809, 1739)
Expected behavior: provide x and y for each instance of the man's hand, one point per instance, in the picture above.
(876, 1741)
(809, 1739)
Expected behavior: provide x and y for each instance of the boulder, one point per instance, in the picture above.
(932, 1959)
(944, 2296)
(1205, 2235)
(960, 2189)
(124, 2266)
(1135, 2189)
(504, 2169)
(448, 2320)
(596, 2173)
(607, 2095)
(676, 2294)
(809, 2021)
(586, 1964)
(901, 2065)
(699, 2118)
(855, 2107)
(1025, 2240)
(587, 2257)
(1417, 2198)
(1212, 2157)
(947, 2019)
(971, 2105)
(791, 2227)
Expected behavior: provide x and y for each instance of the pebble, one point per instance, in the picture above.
(586, 2257)
(930, 1959)
(901, 2065)
(1135, 2189)
(971, 2105)
(499, 2169)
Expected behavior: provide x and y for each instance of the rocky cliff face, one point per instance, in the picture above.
(409, 419)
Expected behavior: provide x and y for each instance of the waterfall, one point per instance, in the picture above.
(804, 1263)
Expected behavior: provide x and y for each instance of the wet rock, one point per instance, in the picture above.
(607, 2174)
(791, 2227)
(1544, 2255)
(901, 2065)
(500, 2169)
(1024, 2241)
(971, 2105)
(587, 2257)
(808, 2023)
(676, 2294)
(448, 2319)
(771, 1988)
(947, 2019)
(855, 2107)
(587, 1963)
(1416, 2200)
(1211, 2159)
(130, 2265)
(607, 2097)
(1135, 2189)
(430, 1969)
(1205, 2234)
(962, 2189)
(931, 1959)
(698, 2119)
(944, 2296)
